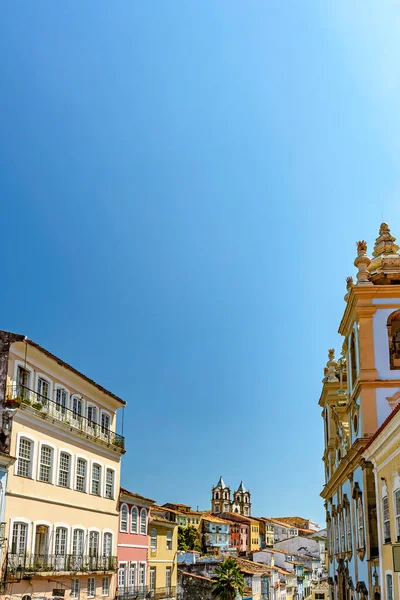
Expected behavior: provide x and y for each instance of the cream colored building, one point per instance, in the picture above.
(62, 491)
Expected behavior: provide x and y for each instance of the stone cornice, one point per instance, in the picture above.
(348, 463)
(362, 296)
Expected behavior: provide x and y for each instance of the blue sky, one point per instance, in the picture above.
(182, 186)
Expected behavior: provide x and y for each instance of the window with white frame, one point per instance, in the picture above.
(92, 414)
(143, 521)
(78, 542)
(153, 539)
(123, 518)
(168, 572)
(142, 575)
(152, 580)
(43, 390)
(105, 586)
(134, 520)
(386, 520)
(360, 522)
(389, 586)
(91, 587)
(25, 451)
(107, 544)
(75, 588)
(81, 470)
(93, 544)
(61, 400)
(77, 407)
(169, 540)
(19, 538)
(105, 423)
(109, 491)
(23, 381)
(397, 513)
(132, 575)
(121, 575)
(46, 464)
(64, 469)
(60, 545)
(96, 479)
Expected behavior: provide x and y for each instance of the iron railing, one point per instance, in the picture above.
(146, 593)
(19, 394)
(26, 564)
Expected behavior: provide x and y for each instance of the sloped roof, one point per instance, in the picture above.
(241, 488)
(250, 567)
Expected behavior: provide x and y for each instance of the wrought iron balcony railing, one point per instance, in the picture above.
(146, 593)
(21, 395)
(27, 564)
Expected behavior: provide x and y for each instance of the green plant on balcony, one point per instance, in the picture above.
(37, 405)
(27, 400)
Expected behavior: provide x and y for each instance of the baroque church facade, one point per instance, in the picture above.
(222, 500)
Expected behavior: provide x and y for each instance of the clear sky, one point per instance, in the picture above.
(182, 186)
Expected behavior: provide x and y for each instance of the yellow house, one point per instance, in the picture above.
(383, 451)
(254, 535)
(162, 562)
(62, 492)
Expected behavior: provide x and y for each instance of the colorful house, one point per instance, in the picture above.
(216, 533)
(132, 554)
(162, 558)
(61, 513)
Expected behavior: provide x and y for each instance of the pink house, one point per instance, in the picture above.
(133, 543)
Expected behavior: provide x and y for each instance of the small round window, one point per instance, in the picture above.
(355, 423)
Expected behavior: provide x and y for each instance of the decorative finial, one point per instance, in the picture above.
(349, 285)
(362, 262)
(385, 242)
(331, 367)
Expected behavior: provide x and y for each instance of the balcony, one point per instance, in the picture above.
(43, 407)
(28, 565)
(145, 592)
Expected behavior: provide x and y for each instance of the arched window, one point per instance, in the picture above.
(143, 521)
(123, 519)
(217, 495)
(393, 327)
(107, 544)
(134, 520)
(353, 363)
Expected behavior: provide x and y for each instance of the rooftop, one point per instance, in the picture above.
(59, 361)
(133, 495)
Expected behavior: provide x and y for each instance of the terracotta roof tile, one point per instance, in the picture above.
(128, 493)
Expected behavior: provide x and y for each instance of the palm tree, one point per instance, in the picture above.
(228, 581)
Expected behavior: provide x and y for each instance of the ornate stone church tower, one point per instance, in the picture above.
(241, 501)
(221, 498)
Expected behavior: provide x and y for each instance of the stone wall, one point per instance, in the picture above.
(193, 587)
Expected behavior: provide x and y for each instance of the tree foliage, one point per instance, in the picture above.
(188, 538)
(228, 581)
